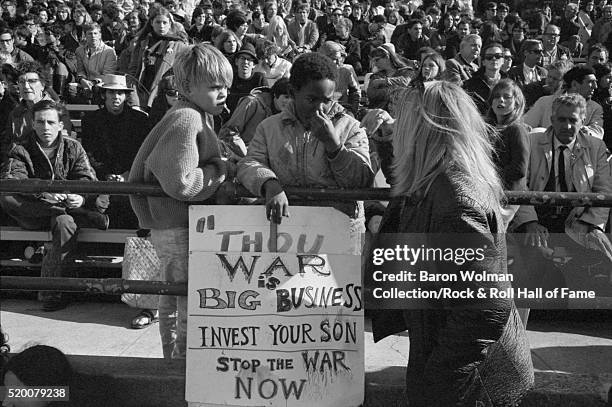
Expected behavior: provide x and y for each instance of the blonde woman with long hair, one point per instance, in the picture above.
(279, 35)
(447, 194)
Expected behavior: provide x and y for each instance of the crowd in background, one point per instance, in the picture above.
(454, 101)
(513, 59)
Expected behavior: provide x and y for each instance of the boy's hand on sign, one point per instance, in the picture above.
(323, 129)
(277, 204)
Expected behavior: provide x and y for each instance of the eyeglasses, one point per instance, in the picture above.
(491, 57)
(6, 41)
(172, 93)
(508, 57)
(31, 81)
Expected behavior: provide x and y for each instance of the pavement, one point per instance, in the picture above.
(572, 359)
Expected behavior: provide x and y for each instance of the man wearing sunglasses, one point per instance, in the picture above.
(529, 71)
(480, 84)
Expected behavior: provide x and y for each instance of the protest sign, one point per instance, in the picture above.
(274, 328)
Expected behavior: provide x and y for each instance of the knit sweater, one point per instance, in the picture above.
(181, 154)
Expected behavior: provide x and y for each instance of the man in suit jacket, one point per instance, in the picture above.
(565, 158)
(463, 65)
(552, 50)
(529, 71)
(303, 31)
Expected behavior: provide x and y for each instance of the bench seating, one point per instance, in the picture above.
(8, 233)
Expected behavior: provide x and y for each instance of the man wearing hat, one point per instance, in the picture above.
(245, 79)
(112, 136)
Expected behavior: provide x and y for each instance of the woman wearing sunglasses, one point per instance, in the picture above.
(480, 84)
(447, 194)
(165, 99)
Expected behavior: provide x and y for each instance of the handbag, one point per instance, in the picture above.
(140, 262)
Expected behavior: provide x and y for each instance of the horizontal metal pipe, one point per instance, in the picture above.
(92, 285)
(237, 190)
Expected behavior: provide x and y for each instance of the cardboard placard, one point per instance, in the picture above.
(272, 328)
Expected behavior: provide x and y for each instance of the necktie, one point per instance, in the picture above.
(561, 170)
(301, 36)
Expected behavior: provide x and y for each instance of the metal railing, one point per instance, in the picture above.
(237, 190)
(114, 286)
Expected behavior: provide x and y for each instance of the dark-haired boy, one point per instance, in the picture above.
(48, 155)
(252, 109)
(312, 143)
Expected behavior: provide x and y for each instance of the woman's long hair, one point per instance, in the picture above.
(439, 128)
(514, 117)
(275, 22)
(221, 38)
(438, 60)
(175, 30)
(82, 10)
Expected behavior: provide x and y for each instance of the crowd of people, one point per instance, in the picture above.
(460, 101)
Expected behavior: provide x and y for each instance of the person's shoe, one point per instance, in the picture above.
(145, 318)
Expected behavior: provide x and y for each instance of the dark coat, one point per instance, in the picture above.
(458, 355)
(478, 88)
(512, 156)
(26, 161)
(112, 141)
(517, 75)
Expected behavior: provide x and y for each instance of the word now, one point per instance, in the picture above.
(268, 388)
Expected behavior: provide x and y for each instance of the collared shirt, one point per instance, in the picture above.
(568, 153)
(531, 74)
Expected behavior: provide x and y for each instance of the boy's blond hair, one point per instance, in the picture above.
(201, 63)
